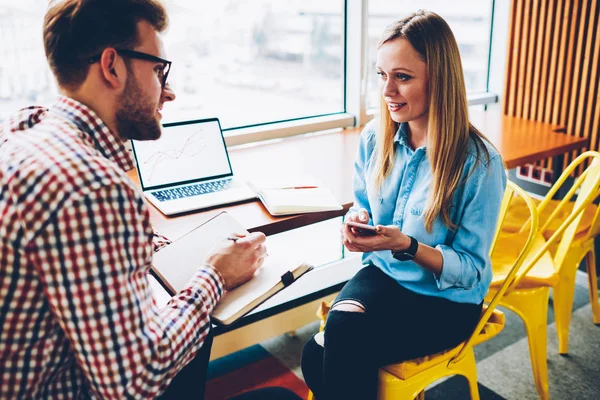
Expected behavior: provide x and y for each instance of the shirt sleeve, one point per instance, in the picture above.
(359, 182)
(159, 241)
(466, 258)
(93, 257)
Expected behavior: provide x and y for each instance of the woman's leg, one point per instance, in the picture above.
(349, 366)
(422, 325)
(312, 364)
(391, 324)
(342, 364)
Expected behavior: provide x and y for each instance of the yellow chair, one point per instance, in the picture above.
(551, 264)
(582, 245)
(408, 380)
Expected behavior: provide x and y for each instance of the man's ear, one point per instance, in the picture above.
(112, 68)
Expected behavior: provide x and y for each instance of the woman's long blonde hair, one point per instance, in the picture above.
(448, 129)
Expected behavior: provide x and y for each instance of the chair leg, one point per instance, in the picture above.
(532, 306)
(469, 371)
(467, 367)
(563, 294)
(473, 388)
(537, 334)
(590, 260)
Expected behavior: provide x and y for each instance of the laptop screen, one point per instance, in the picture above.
(186, 152)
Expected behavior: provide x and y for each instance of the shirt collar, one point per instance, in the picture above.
(402, 135)
(94, 131)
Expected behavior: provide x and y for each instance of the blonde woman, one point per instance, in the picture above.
(431, 185)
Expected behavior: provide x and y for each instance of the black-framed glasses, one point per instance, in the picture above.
(163, 73)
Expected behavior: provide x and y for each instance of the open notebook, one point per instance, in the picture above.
(294, 196)
(175, 264)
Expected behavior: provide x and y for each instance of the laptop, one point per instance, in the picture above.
(188, 168)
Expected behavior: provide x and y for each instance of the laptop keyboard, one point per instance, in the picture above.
(192, 190)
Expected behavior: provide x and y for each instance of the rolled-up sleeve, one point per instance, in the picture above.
(466, 259)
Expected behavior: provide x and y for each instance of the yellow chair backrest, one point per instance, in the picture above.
(511, 191)
(595, 227)
(587, 188)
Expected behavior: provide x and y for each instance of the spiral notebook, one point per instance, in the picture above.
(174, 265)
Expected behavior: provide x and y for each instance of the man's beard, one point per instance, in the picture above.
(136, 118)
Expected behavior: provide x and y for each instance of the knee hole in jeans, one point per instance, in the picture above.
(320, 339)
(349, 306)
(342, 306)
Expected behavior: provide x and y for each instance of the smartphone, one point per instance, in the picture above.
(362, 229)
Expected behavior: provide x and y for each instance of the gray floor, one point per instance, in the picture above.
(575, 376)
(504, 368)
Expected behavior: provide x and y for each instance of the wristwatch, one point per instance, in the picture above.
(408, 254)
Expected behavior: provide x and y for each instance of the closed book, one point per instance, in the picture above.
(174, 265)
(286, 198)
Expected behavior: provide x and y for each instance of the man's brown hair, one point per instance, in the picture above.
(76, 30)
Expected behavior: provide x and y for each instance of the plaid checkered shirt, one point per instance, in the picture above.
(77, 317)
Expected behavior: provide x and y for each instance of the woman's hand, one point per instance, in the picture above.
(387, 237)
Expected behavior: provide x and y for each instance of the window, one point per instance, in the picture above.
(252, 62)
(255, 62)
(246, 62)
(470, 22)
(24, 76)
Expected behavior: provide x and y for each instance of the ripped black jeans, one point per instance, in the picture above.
(397, 325)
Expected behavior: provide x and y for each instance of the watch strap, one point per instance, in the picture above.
(409, 253)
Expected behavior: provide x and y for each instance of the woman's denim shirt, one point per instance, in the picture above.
(401, 201)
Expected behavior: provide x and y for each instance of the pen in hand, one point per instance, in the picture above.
(234, 237)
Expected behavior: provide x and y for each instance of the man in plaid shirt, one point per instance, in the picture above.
(77, 317)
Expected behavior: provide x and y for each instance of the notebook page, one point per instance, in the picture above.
(178, 262)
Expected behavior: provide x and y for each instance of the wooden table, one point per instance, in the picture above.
(329, 157)
(521, 141)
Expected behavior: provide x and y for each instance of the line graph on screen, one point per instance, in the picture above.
(189, 152)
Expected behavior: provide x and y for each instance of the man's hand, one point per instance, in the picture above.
(237, 260)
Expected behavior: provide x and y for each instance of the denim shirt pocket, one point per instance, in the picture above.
(416, 211)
